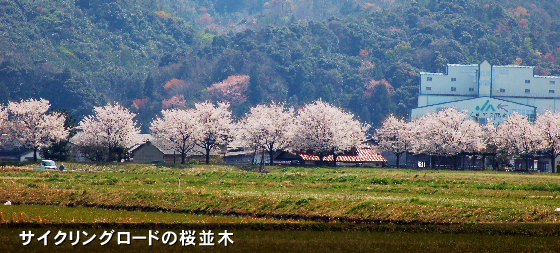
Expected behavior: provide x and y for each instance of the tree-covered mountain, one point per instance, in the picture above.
(361, 55)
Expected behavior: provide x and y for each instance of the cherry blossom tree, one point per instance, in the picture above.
(489, 138)
(177, 101)
(437, 133)
(4, 128)
(548, 127)
(471, 139)
(490, 134)
(231, 89)
(177, 130)
(216, 126)
(325, 129)
(447, 133)
(60, 150)
(395, 136)
(268, 128)
(108, 133)
(32, 127)
(517, 137)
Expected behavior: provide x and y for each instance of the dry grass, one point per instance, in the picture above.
(322, 194)
(16, 168)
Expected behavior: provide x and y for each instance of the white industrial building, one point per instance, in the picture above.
(488, 91)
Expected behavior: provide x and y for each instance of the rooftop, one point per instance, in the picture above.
(363, 154)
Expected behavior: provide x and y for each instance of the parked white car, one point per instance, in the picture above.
(47, 165)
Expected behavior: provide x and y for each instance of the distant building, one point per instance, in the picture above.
(238, 155)
(148, 152)
(18, 154)
(488, 91)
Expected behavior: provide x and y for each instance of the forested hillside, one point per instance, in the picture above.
(362, 55)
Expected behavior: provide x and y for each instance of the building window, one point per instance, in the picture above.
(552, 82)
(529, 113)
(453, 89)
(471, 89)
(428, 88)
(429, 78)
(527, 81)
(550, 91)
(453, 79)
(502, 90)
(527, 91)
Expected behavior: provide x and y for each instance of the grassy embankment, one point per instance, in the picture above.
(285, 195)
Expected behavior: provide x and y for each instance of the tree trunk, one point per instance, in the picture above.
(455, 161)
(321, 157)
(35, 154)
(432, 162)
(120, 154)
(253, 157)
(398, 155)
(261, 167)
(552, 158)
(552, 165)
(113, 153)
(271, 154)
(207, 155)
(183, 155)
(406, 159)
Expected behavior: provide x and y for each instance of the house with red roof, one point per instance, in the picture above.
(363, 156)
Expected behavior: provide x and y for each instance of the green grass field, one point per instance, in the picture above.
(230, 194)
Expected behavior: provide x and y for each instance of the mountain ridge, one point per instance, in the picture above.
(366, 58)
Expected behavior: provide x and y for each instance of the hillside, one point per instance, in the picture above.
(365, 57)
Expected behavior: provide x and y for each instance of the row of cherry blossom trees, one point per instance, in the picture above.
(103, 136)
(29, 124)
(111, 131)
(317, 127)
(207, 126)
(450, 133)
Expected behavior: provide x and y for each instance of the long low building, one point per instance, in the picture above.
(364, 156)
(488, 91)
(149, 152)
